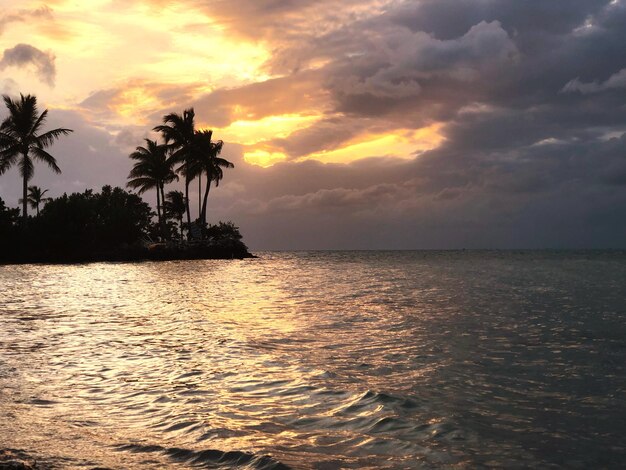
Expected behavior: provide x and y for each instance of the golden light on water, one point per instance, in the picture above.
(370, 358)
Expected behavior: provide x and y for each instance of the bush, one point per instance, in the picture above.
(78, 225)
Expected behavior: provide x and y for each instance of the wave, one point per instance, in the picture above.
(370, 398)
(210, 458)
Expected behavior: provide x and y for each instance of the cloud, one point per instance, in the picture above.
(23, 55)
(136, 100)
(286, 20)
(9, 86)
(298, 93)
(523, 161)
(615, 81)
(23, 16)
(327, 134)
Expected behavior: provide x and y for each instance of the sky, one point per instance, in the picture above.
(369, 124)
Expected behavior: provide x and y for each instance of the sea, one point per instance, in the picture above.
(318, 360)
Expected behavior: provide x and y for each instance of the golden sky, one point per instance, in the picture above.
(125, 63)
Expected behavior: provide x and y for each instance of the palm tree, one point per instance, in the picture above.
(152, 170)
(21, 142)
(175, 206)
(35, 197)
(178, 131)
(208, 162)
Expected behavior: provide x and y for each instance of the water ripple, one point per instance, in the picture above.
(321, 360)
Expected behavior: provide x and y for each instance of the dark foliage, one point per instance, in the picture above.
(223, 231)
(112, 225)
(78, 226)
(9, 219)
(94, 221)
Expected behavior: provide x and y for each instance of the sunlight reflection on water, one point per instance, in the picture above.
(321, 360)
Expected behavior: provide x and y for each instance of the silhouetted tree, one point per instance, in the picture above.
(175, 206)
(178, 131)
(153, 170)
(8, 226)
(208, 162)
(223, 231)
(80, 226)
(21, 142)
(90, 222)
(35, 197)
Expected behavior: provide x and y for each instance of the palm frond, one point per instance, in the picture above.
(10, 104)
(143, 183)
(10, 153)
(43, 156)
(6, 139)
(222, 162)
(39, 122)
(5, 164)
(47, 138)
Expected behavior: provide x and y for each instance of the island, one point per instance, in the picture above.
(115, 224)
(110, 225)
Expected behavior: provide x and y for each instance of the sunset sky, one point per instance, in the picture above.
(352, 124)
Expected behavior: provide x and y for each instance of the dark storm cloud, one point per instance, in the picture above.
(451, 18)
(547, 194)
(615, 81)
(24, 55)
(517, 70)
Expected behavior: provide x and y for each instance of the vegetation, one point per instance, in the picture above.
(196, 154)
(113, 224)
(77, 227)
(35, 197)
(175, 206)
(208, 162)
(152, 171)
(178, 131)
(21, 142)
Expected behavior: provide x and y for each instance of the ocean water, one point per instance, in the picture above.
(318, 360)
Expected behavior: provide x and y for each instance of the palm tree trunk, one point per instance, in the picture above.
(206, 197)
(37, 208)
(163, 221)
(25, 199)
(187, 207)
(199, 196)
(159, 209)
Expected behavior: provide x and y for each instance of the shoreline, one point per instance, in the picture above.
(153, 252)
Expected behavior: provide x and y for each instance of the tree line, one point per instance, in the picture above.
(91, 222)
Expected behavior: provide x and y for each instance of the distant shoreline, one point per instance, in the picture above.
(153, 252)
